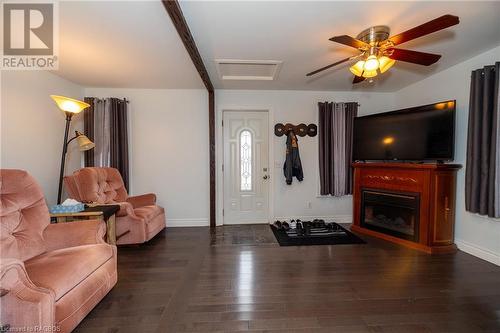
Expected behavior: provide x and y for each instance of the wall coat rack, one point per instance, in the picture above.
(300, 130)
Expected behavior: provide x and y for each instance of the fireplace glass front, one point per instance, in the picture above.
(392, 213)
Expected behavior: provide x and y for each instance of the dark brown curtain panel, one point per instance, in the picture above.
(325, 139)
(119, 137)
(106, 124)
(481, 175)
(336, 122)
(351, 113)
(88, 129)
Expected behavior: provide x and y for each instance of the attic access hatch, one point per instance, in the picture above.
(263, 70)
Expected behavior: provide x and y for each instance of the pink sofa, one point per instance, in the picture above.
(51, 275)
(139, 218)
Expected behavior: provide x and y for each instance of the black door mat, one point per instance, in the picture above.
(310, 233)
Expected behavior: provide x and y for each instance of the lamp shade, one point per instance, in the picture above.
(357, 68)
(385, 63)
(70, 105)
(84, 142)
(369, 74)
(371, 64)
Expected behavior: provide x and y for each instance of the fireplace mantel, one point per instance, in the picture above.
(435, 184)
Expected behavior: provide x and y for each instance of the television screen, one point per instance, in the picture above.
(415, 134)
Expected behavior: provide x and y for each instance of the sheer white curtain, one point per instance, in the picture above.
(339, 133)
(101, 133)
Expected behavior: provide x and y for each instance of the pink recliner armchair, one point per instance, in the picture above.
(139, 218)
(51, 275)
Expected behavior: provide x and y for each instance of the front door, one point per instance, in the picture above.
(246, 167)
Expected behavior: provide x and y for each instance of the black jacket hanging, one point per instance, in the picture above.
(293, 165)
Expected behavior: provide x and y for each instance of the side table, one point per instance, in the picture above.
(104, 213)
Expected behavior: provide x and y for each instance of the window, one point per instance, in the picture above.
(246, 160)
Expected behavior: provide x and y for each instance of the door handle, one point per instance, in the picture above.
(265, 177)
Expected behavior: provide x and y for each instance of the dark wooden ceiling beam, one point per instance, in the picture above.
(174, 11)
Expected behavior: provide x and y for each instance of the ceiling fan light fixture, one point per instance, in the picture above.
(357, 68)
(385, 63)
(379, 51)
(369, 74)
(371, 64)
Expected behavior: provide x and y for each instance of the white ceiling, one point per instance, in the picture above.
(134, 44)
(122, 44)
(297, 33)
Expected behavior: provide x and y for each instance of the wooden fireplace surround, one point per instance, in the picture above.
(436, 185)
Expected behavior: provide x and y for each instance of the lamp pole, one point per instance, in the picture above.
(63, 156)
(70, 107)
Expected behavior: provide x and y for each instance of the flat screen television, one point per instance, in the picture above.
(422, 133)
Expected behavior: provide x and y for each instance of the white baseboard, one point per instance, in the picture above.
(478, 251)
(174, 223)
(248, 222)
(335, 218)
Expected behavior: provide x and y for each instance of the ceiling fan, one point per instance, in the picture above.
(378, 51)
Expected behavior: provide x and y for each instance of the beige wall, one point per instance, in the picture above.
(169, 149)
(32, 127)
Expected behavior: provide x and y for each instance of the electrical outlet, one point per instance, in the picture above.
(309, 205)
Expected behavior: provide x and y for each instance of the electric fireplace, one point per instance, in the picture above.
(411, 204)
(392, 213)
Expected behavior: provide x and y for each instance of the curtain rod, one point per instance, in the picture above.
(348, 102)
(344, 102)
(104, 99)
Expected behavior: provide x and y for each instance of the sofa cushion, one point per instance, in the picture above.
(102, 185)
(149, 212)
(23, 215)
(78, 302)
(62, 270)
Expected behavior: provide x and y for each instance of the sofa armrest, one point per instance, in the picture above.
(24, 305)
(126, 209)
(69, 234)
(142, 200)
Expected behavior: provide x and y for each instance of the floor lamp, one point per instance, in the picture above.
(70, 107)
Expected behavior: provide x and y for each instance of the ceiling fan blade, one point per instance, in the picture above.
(329, 66)
(440, 23)
(350, 41)
(358, 79)
(415, 57)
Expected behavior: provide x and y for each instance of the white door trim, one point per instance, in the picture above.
(219, 154)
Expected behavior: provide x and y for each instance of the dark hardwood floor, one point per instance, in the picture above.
(238, 279)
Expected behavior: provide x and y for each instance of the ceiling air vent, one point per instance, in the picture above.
(264, 70)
